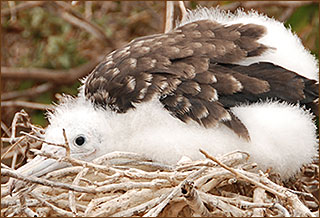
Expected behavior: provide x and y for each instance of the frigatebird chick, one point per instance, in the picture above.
(218, 81)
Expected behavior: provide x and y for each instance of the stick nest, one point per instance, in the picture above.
(128, 184)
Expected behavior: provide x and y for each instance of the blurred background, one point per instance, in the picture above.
(47, 46)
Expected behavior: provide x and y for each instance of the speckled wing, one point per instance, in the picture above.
(191, 70)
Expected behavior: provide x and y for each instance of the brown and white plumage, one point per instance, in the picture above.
(193, 71)
(216, 77)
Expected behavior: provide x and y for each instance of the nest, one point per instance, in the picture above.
(128, 184)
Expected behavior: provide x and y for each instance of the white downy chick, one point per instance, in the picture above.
(282, 135)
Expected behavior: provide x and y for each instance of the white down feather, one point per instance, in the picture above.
(283, 136)
(289, 52)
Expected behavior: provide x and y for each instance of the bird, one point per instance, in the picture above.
(219, 81)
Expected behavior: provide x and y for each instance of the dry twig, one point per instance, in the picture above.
(20, 7)
(200, 188)
(66, 11)
(54, 76)
(169, 16)
(193, 199)
(242, 175)
(258, 197)
(27, 92)
(32, 179)
(25, 104)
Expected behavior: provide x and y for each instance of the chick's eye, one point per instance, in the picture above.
(80, 140)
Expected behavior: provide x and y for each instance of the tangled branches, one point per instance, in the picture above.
(128, 184)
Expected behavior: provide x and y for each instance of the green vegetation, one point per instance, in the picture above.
(41, 38)
(305, 21)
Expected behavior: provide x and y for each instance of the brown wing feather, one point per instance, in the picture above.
(188, 69)
(284, 85)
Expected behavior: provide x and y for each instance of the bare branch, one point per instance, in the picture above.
(32, 179)
(283, 210)
(29, 212)
(72, 197)
(259, 195)
(22, 6)
(26, 104)
(5, 129)
(66, 11)
(88, 9)
(294, 201)
(13, 12)
(56, 209)
(55, 76)
(67, 147)
(21, 115)
(183, 10)
(215, 201)
(34, 91)
(164, 200)
(138, 209)
(122, 189)
(236, 173)
(76, 162)
(41, 140)
(169, 16)
(118, 154)
(193, 199)
(140, 193)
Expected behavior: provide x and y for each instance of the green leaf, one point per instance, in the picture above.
(302, 16)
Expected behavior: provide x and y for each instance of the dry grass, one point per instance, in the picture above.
(128, 184)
